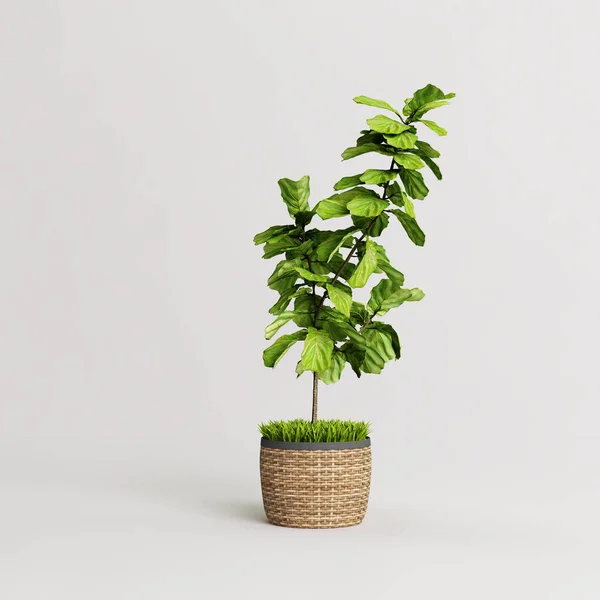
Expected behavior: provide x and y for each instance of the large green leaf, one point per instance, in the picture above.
(273, 354)
(411, 227)
(409, 161)
(414, 184)
(374, 226)
(417, 105)
(332, 207)
(334, 372)
(295, 194)
(366, 266)
(426, 149)
(403, 140)
(409, 208)
(304, 217)
(391, 332)
(359, 315)
(278, 323)
(310, 276)
(383, 124)
(367, 206)
(373, 102)
(286, 297)
(434, 126)
(383, 263)
(355, 355)
(284, 276)
(304, 310)
(302, 250)
(280, 245)
(354, 151)
(347, 182)
(340, 299)
(380, 350)
(370, 137)
(317, 351)
(331, 243)
(433, 166)
(374, 176)
(387, 295)
(276, 230)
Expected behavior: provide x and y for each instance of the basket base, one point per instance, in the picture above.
(315, 489)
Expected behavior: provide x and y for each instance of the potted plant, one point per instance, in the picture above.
(316, 474)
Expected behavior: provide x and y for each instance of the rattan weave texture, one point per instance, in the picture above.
(315, 489)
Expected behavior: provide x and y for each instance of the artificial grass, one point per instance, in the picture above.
(301, 430)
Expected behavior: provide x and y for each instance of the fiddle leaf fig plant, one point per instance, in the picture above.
(319, 270)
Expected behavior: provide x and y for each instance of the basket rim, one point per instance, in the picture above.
(265, 443)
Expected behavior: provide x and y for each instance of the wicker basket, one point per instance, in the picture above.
(315, 485)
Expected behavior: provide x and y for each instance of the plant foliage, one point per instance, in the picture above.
(318, 270)
(300, 430)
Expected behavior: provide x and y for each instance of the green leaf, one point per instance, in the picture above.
(434, 126)
(354, 151)
(366, 266)
(375, 230)
(374, 176)
(414, 184)
(278, 323)
(399, 198)
(304, 310)
(367, 207)
(302, 250)
(304, 217)
(334, 372)
(433, 166)
(409, 208)
(383, 263)
(411, 227)
(355, 355)
(359, 314)
(286, 297)
(373, 102)
(280, 245)
(341, 300)
(380, 349)
(276, 230)
(423, 97)
(317, 351)
(391, 332)
(370, 137)
(295, 194)
(332, 243)
(387, 295)
(334, 206)
(347, 182)
(426, 149)
(274, 353)
(284, 276)
(383, 124)
(404, 140)
(409, 161)
(310, 276)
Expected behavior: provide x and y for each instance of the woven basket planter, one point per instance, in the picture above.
(315, 485)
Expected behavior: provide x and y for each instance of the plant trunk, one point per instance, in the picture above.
(315, 396)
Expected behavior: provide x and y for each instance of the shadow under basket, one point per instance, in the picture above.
(315, 485)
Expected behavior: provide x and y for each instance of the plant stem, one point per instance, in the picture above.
(319, 306)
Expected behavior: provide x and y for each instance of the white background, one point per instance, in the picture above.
(140, 145)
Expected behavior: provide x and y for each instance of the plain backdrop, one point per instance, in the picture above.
(140, 146)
